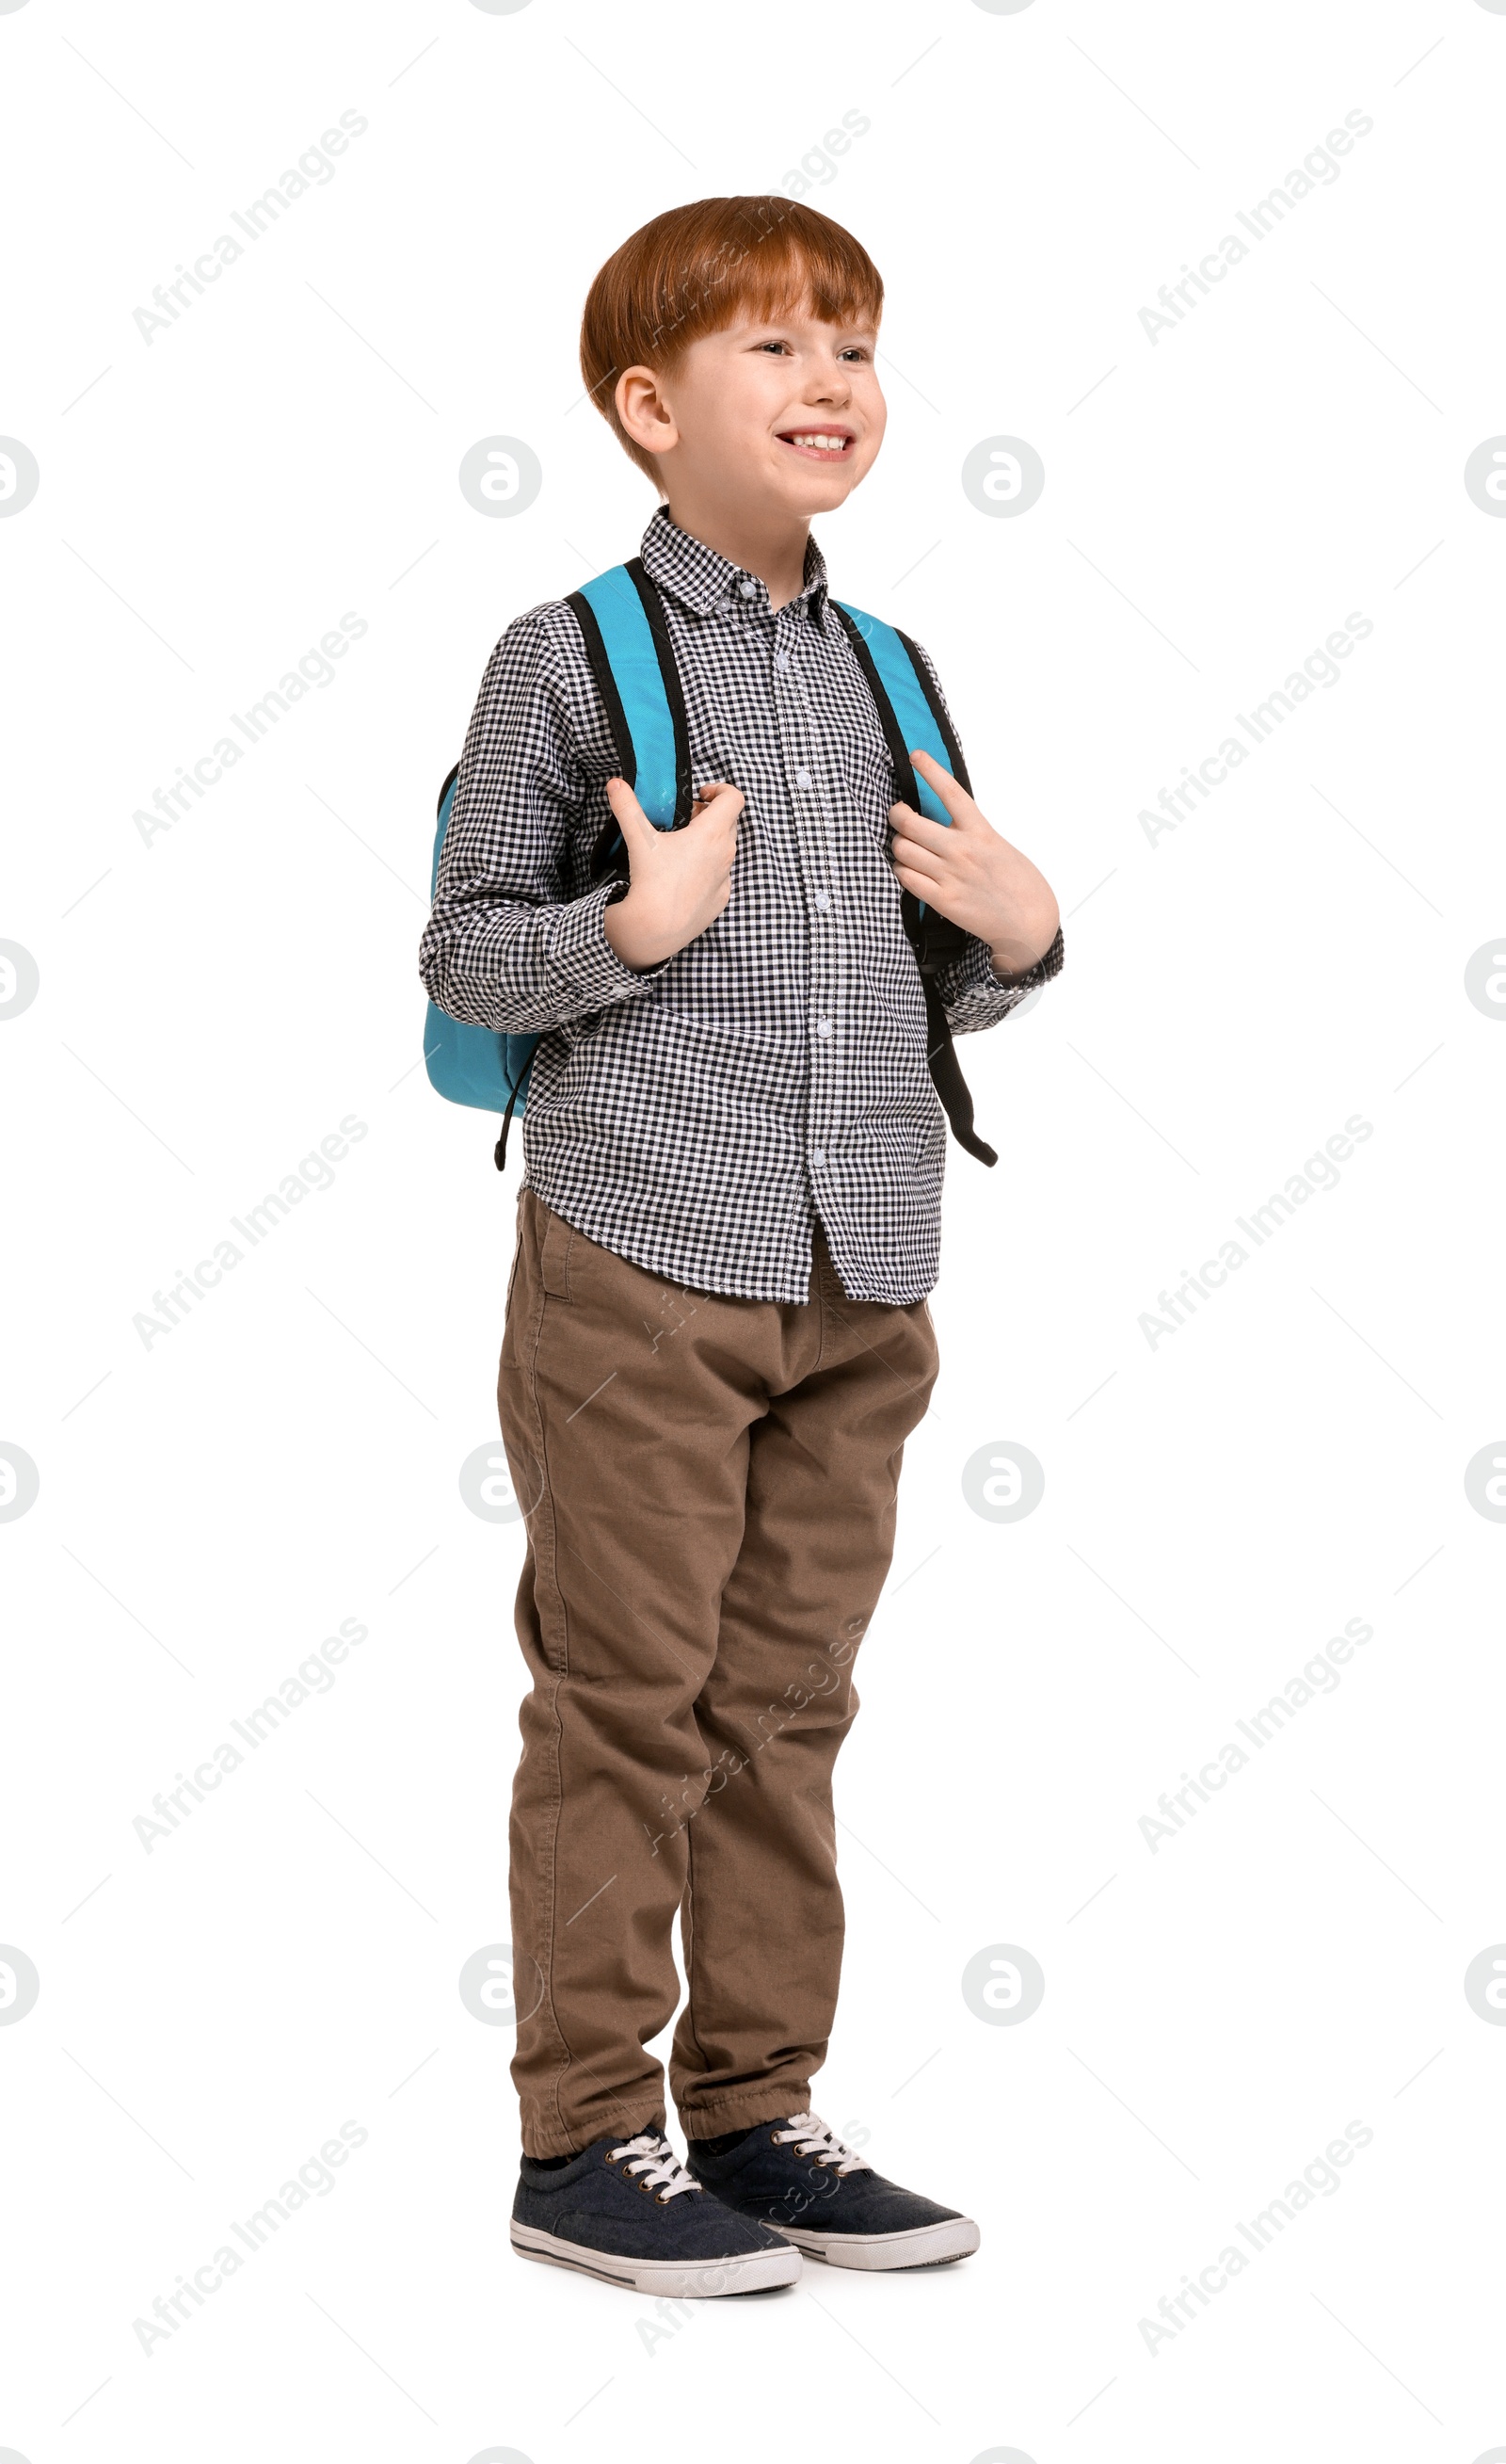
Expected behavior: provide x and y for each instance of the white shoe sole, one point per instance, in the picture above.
(675, 2279)
(929, 2246)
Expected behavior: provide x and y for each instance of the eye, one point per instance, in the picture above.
(854, 351)
(773, 346)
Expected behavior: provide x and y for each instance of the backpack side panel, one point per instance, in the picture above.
(475, 1064)
(472, 1064)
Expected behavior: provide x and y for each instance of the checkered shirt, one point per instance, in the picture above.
(698, 1116)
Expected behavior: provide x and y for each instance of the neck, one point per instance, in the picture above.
(772, 546)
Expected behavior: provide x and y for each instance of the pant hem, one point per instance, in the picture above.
(557, 2143)
(745, 2110)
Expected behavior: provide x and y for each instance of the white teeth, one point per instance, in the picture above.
(822, 443)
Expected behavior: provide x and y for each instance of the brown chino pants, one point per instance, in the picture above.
(710, 1488)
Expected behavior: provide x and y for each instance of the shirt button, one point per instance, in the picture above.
(817, 1157)
(781, 658)
(822, 902)
(823, 1026)
(803, 778)
(749, 589)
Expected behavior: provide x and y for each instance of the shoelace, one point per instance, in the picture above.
(811, 2137)
(651, 2155)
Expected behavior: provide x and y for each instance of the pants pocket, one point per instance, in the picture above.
(559, 1238)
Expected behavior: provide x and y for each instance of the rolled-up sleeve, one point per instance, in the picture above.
(507, 946)
(973, 995)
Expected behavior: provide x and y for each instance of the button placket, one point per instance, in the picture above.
(805, 791)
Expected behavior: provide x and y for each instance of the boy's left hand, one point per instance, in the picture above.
(972, 876)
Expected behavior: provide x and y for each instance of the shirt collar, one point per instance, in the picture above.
(702, 579)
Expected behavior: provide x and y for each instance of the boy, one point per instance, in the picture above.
(717, 1333)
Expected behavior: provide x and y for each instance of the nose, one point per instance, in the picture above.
(831, 385)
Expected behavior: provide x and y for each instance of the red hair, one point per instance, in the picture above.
(698, 269)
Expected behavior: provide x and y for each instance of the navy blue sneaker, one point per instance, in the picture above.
(799, 2177)
(626, 2210)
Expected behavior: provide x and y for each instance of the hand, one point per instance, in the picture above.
(678, 880)
(972, 876)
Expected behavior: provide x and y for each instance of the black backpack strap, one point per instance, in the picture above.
(617, 727)
(499, 1151)
(946, 1072)
(608, 855)
(934, 939)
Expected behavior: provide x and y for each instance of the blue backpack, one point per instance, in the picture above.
(626, 639)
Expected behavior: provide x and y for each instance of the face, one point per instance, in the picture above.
(784, 416)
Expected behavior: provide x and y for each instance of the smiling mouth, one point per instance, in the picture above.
(819, 444)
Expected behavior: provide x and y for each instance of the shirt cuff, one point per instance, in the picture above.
(1041, 972)
(970, 988)
(583, 958)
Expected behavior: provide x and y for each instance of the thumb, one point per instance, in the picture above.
(719, 798)
(627, 812)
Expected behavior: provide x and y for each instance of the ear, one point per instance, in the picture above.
(645, 411)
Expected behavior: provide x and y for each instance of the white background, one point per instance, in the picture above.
(212, 1003)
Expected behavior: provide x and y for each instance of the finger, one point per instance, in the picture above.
(917, 860)
(919, 885)
(957, 801)
(917, 828)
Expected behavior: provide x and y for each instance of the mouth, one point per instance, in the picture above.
(820, 443)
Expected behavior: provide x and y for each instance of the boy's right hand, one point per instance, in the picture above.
(678, 880)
